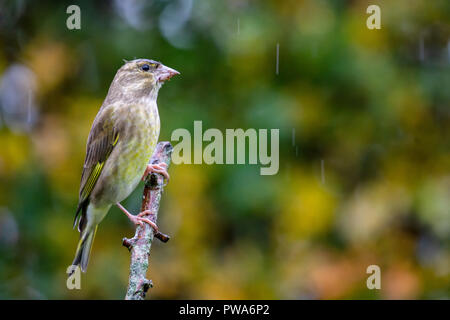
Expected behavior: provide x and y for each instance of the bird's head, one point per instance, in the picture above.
(141, 78)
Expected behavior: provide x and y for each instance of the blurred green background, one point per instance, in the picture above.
(364, 147)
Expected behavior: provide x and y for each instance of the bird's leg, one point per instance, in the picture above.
(160, 168)
(138, 220)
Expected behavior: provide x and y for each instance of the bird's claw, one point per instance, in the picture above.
(141, 218)
(160, 168)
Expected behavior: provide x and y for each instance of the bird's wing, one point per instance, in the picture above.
(102, 139)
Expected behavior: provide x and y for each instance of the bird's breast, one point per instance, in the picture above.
(138, 136)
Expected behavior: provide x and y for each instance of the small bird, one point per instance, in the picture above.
(120, 144)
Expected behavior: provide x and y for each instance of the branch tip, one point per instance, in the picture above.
(162, 237)
(128, 243)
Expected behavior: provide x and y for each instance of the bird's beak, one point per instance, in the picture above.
(165, 73)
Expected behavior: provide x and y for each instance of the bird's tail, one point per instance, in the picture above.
(84, 248)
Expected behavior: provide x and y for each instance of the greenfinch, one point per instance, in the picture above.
(121, 141)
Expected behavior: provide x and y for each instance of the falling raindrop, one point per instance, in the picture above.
(322, 170)
(448, 50)
(421, 49)
(293, 137)
(278, 56)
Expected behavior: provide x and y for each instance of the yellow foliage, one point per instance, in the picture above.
(308, 209)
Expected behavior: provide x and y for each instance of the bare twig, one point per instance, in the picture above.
(141, 243)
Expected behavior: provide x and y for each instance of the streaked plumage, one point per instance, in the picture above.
(121, 141)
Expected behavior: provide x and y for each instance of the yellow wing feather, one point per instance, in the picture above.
(102, 139)
(95, 173)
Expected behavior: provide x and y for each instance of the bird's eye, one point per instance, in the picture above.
(145, 67)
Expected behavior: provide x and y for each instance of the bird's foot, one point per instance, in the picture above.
(161, 236)
(138, 219)
(160, 168)
(141, 217)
